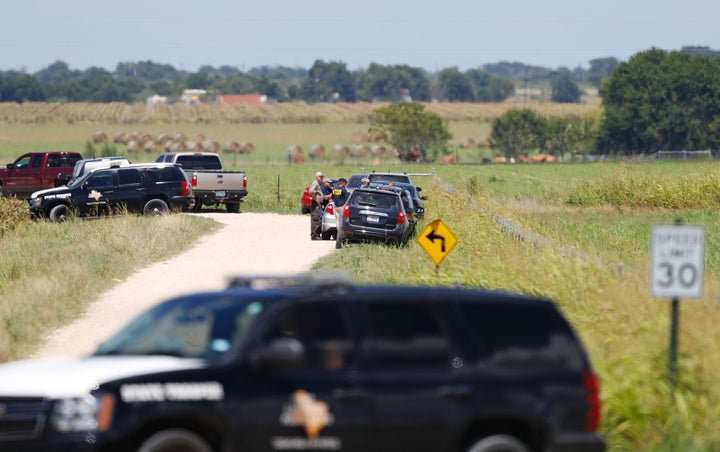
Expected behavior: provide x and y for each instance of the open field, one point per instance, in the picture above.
(570, 252)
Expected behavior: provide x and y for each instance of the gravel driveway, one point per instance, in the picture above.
(248, 244)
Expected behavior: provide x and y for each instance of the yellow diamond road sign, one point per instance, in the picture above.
(437, 241)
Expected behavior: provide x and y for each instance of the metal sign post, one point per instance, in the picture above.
(677, 270)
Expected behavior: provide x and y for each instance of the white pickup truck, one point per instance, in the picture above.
(212, 184)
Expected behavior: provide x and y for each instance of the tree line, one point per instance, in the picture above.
(324, 81)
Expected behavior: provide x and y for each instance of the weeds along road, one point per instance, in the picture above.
(246, 244)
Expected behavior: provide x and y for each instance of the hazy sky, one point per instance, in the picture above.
(432, 35)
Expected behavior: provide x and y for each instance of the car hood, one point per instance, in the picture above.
(49, 191)
(67, 377)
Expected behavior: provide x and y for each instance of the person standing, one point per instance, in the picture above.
(316, 194)
(339, 198)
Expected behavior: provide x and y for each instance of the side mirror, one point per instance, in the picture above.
(10, 165)
(419, 189)
(281, 353)
(85, 185)
(62, 179)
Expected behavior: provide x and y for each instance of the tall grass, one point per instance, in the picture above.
(50, 272)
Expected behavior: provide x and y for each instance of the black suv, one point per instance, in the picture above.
(376, 214)
(317, 363)
(153, 188)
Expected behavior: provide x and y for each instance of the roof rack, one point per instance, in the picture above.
(310, 280)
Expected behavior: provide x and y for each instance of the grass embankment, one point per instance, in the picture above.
(49, 273)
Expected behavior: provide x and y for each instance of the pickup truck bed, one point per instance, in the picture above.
(211, 183)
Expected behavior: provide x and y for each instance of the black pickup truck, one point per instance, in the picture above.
(150, 189)
(316, 363)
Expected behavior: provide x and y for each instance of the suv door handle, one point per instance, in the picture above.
(350, 394)
(454, 391)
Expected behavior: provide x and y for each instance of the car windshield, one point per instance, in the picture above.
(389, 178)
(375, 199)
(192, 327)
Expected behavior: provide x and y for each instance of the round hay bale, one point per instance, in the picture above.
(120, 138)
(232, 147)
(247, 148)
(316, 151)
(153, 147)
(99, 137)
(179, 136)
(341, 150)
(211, 146)
(377, 137)
(199, 138)
(360, 150)
(448, 159)
(378, 150)
(295, 153)
(467, 143)
(360, 137)
(133, 146)
(500, 159)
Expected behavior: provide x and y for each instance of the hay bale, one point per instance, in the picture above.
(377, 137)
(210, 146)
(340, 150)
(295, 154)
(360, 150)
(153, 147)
(99, 137)
(133, 146)
(232, 147)
(467, 143)
(500, 159)
(448, 158)
(316, 151)
(246, 148)
(360, 137)
(199, 138)
(120, 138)
(378, 150)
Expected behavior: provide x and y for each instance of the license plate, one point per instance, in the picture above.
(373, 219)
(220, 194)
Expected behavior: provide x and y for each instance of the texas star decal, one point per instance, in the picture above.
(96, 195)
(304, 410)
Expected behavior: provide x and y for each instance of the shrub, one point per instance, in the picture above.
(13, 212)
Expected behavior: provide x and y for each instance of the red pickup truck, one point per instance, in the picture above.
(35, 171)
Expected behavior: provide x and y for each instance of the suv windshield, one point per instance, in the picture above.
(375, 199)
(189, 328)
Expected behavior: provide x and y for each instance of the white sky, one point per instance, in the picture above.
(433, 35)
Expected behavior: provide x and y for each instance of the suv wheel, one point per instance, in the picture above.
(155, 207)
(58, 213)
(499, 443)
(175, 440)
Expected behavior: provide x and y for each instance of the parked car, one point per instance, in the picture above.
(375, 214)
(316, 363)
(328, 222)
(305, 200)
(150, 189)
(35, 171)
(411, 200)
(402, 180)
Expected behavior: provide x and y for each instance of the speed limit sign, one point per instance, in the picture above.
(678, 256)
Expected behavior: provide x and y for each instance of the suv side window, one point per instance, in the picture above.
(169, 173)
(507, 334)
(100, 179)
(321, 329)
(407, 336)
(128, 177)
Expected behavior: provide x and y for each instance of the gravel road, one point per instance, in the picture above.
(248, 243)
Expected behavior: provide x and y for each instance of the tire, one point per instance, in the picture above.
(327, 235)
(2, 191)
(499, 443)
(175, 440)
(155, 206)
(232, 207)
(198, 205)
(59, 213)
(338, 240)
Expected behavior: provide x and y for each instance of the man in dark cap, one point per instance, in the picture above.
(339, 197)
(316, 195)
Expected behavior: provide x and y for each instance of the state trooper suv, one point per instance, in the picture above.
(316, 363)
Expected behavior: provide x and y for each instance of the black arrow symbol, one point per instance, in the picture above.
(432, 236)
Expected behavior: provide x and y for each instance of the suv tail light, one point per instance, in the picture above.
(329, 209)
(244, 181)
(592, 395)
(346, 211)
(401, 218)
(184, 188)
(194, 180)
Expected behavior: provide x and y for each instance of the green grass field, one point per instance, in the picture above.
(586, 246)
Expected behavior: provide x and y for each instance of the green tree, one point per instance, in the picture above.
(490, 88)
(392, 83)
(517, 131)
(564, 90)
(329, 82)
(19, 87)
(455, 86)
(416, 134)
(661, 101)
